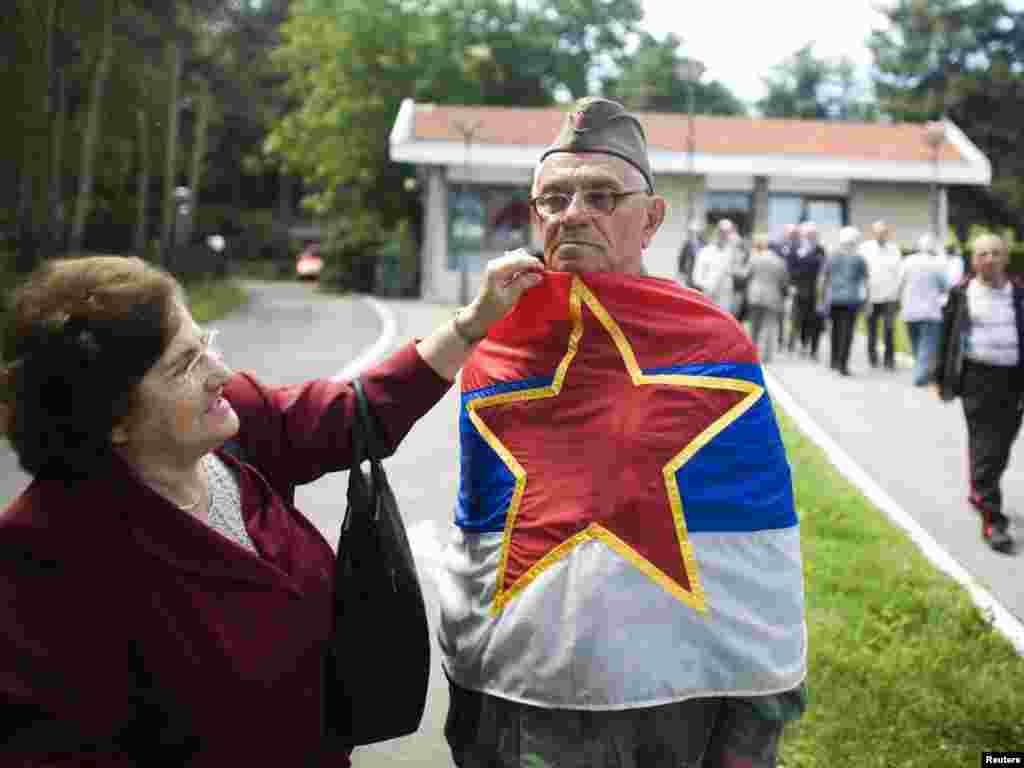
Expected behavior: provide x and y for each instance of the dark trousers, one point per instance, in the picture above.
(884, 313)
(991, 397)
(485, 731)
(843, 317)
(806, 327)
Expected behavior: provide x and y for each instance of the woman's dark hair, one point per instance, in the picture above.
(82, 332)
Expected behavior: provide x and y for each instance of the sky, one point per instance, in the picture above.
(740, 41)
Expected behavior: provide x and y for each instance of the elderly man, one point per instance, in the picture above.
(621, 588)
(787, 247)
(923, 289)
(804, 272)
(884, 258)
(981, 361)
(717, 264)
(688, 253)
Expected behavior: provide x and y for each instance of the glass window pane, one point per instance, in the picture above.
(783, 210)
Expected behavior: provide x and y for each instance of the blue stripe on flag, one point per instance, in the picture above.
(482, 469)
(740, 481)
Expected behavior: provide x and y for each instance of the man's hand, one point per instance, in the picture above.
(507, 278)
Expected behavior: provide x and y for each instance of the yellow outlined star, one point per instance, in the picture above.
(694, 597)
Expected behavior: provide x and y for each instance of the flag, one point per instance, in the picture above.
(625, 533)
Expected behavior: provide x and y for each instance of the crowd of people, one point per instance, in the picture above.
(789, 291)
(966, 326)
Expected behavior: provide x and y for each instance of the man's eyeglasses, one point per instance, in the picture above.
(551, 205)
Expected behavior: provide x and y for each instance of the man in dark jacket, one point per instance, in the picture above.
(804, 267)
(981, 361)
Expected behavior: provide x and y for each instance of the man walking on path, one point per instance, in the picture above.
(787, 247)
(844, 280)
(600, 607)
(883, 258)
(923, 289)
(804, 273)
(982, 361)
(716, 266)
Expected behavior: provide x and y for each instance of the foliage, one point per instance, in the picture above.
(350, 63)
(649, 82)
(804, 86)
(97, 139)
(903, 669)
(962, 60)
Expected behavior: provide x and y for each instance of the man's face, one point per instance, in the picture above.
(881, 232)
(581, 239)
(989, 259)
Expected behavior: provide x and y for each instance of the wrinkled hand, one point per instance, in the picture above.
(507, 278)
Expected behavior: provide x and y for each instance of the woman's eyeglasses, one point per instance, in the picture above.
(207, 350)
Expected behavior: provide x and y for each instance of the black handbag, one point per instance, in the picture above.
(378, 663)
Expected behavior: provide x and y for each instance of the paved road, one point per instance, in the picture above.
(910, 443)
(915, 447)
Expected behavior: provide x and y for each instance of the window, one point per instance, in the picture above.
(735, 206)
(485, 221)
(828, 213)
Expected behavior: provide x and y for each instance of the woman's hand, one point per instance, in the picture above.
(505, 281)
(507, 278)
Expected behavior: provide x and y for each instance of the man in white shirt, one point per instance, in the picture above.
(716, 264)
(884, 259)
(923, 290)
(981, 360)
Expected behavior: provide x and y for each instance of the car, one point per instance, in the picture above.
(309, 264)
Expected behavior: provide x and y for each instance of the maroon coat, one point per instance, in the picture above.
(133, 634)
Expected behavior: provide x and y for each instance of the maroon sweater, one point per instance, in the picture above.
(131, 634)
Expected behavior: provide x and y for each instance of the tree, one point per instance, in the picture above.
(350, 63)
(805, 86)
(649, 81)
(961, 60)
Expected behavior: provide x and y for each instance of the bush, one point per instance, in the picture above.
(351, 252)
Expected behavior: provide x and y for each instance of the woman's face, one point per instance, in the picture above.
(178, 411)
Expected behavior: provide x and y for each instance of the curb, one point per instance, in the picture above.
(1005, 622)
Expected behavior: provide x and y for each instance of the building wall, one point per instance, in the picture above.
(904, 207)
(662, 257)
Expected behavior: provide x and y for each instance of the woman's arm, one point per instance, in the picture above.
(507, 278)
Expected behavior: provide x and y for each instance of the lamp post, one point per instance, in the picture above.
(468, 132)
(934, 136)
(690, 71)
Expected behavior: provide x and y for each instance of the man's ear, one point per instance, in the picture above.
(656, 210)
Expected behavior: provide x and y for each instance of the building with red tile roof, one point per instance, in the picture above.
(475, 165)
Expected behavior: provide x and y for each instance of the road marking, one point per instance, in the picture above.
(377, 350)
(1004, 621)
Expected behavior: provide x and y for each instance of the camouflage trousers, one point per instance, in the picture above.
(485, 731)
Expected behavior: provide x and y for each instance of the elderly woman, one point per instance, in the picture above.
(162, 602)
(767, 285)
(844, 283)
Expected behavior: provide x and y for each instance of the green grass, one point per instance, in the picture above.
(212, 299)
(903, 669)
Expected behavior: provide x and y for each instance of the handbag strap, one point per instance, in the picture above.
(366, 433)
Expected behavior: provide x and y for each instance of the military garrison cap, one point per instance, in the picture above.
(601, 125)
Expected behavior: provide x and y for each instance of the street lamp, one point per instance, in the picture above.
(934, 136)
(182, 209)
(468, 132)
(690, 71)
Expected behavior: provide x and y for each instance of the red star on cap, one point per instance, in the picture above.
(601, 440)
